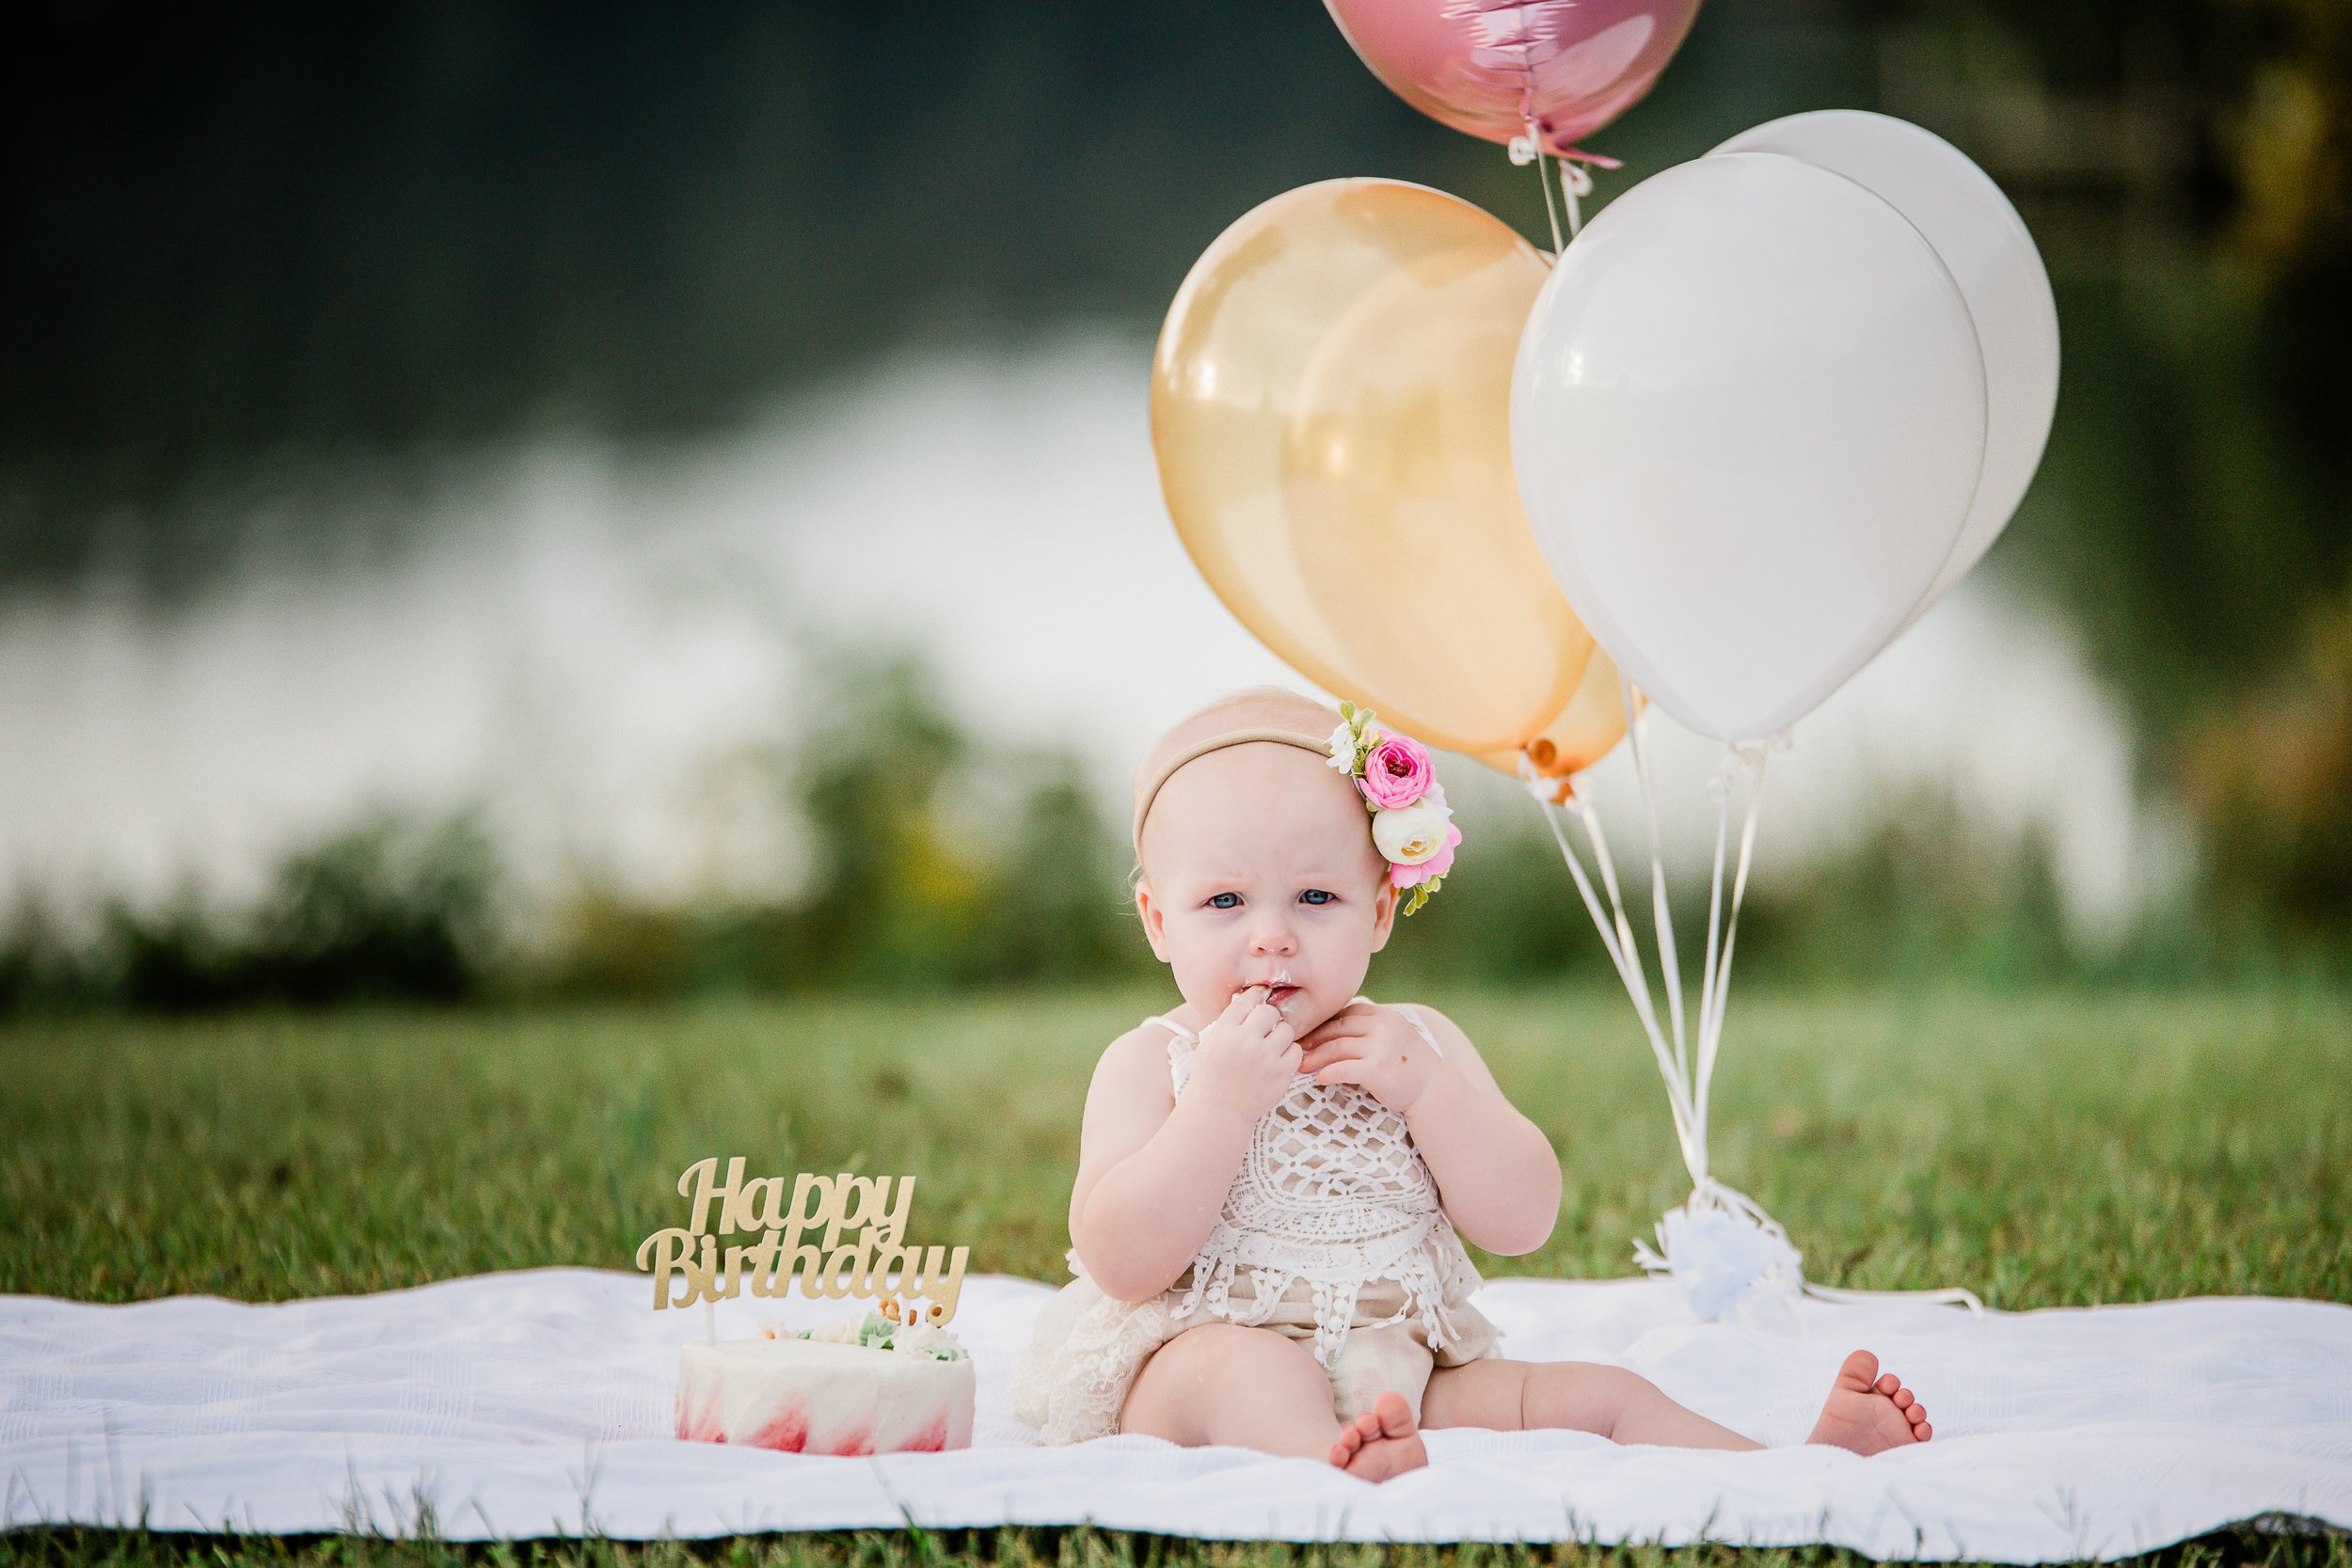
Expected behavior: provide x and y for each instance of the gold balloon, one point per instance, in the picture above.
(1330, 407)
(1593, 722)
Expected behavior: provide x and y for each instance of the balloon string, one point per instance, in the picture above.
(1949, 1295)
(1624, 957)
(1628, 961)
(1687, 1094)
(1600, 841)
(1746, 759)
(1527, 150)
(1688, 1090)
(1669, 965)
(1719, 786)
(1574, 181)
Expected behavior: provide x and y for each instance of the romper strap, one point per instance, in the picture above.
(1177, 1035)
(1413, 1018)
(1410, 1017)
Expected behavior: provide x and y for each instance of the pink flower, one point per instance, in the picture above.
(1396, 771)
(1408, 876)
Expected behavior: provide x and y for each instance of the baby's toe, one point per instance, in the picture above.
(1921, 1432)
(1888, 1384)
(1918, 1414)
(1904, 1399)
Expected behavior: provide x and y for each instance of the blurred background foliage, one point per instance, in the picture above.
(938, 862)
(239, 243)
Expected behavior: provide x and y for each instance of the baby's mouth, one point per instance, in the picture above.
(1279, 988)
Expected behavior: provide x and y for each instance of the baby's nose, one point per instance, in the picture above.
(1273, 938)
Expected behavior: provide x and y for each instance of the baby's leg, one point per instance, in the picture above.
(1582, 1396)
(1865, 1412)
(1255, 1389)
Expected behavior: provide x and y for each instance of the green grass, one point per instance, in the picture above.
(2045, 1150)
(1018, 1547)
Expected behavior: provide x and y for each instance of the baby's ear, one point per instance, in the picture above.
(1154, 922)
(1383, 914)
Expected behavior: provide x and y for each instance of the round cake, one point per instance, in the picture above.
(866, 1385)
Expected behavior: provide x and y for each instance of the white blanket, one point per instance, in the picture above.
(537, 1402)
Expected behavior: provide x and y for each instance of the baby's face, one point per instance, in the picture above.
(1260, 868)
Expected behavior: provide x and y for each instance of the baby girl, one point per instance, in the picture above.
(1275, 1179)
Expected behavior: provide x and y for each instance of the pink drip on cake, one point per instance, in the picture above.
(836, 1392)
(932, 1439)
(786, 1434)
(702, 1424)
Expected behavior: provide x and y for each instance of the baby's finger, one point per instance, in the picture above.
(1320, 1052)
(1349, 1071)
(1244, 1001)
(1263, 1018)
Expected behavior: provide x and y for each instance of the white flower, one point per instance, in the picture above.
(1408, 835)
(841, 1331)
(925, 1339)
(1343, 748)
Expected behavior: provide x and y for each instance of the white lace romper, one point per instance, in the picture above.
(1330, 1232)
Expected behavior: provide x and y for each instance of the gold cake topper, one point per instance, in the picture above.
(691, 1255)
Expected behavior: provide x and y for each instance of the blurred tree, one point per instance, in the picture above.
(1925, 892)
(389, 908)
(266, 235)
(893, 902)
(242, 247)
(2271, 776)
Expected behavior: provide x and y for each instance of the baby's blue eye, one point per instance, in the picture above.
(1318, 895)
(1220, 901)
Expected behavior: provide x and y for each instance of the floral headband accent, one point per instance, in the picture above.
(1411, 825)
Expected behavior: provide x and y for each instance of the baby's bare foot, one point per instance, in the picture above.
(1381, 1442)
(1868, 1413)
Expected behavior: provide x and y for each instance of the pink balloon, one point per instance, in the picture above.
(1498, 67)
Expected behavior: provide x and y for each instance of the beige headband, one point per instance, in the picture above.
(1320, 745)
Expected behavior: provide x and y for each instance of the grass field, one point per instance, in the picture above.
(2045, 1150)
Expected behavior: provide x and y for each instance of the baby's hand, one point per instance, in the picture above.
(1372, 1047)
(1248, 1056)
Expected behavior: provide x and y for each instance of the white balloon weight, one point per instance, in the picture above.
(1747, 418)
(1985, 246)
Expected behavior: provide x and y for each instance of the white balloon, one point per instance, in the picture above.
(1985, 245)
(1747, 418)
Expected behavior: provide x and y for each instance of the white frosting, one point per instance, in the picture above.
(841, 1331)
(809, 1396)
(922, 1338)
(911, 1338)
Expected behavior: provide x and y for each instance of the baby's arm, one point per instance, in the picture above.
(1498, 1176)
(1152, 1169)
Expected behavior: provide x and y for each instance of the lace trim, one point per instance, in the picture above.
(1330, 1191)
(1072, 1381)
(1071, 1385)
